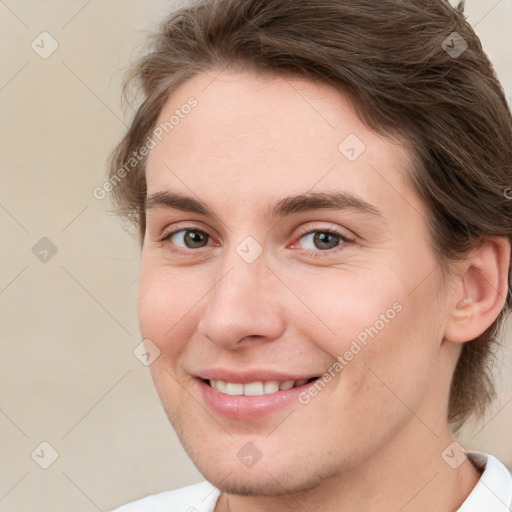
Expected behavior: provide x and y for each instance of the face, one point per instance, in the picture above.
(286, 279)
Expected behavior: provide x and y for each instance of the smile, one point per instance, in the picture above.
(256, 388)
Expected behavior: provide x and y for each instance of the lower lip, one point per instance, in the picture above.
(241, 407)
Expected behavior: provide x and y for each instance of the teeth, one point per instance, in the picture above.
(253, 388)
(234, 388)
(271, 386)
(256, 388)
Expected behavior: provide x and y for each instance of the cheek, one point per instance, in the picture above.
(396, 366)
(166, 317)
(166, 307)
(348, 306)
(383, 336)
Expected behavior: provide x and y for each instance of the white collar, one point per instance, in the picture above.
(493, 492)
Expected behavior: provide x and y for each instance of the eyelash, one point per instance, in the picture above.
(344, 239)
(178, 250)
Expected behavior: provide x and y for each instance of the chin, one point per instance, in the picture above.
(263, 482)
(270, 476)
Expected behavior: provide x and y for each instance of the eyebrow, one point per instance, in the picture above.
(286, 206)
(321, 200)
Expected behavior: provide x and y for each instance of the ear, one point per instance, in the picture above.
(480, 290)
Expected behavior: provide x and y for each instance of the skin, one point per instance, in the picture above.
(372, 438)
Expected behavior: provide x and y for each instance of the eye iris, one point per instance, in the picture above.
(194, 239)
(325, 240)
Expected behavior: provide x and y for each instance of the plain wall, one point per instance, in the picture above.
(68, 375)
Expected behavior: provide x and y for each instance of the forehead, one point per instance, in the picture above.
(265, 136)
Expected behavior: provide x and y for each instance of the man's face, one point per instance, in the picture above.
(261, 290)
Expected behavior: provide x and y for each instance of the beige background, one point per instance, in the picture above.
(68, 375)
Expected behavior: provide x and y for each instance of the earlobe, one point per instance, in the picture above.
(480, 292)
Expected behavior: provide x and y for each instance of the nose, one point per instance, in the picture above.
(243, 306)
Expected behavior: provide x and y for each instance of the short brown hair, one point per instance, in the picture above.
(392, 58)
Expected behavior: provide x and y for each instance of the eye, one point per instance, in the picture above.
(322, 240)
(187, 238)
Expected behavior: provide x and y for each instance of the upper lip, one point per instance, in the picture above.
(251, 375)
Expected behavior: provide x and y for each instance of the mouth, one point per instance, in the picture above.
(251, 394)
(256, 388)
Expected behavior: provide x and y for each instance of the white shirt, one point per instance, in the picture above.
(492, 493)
